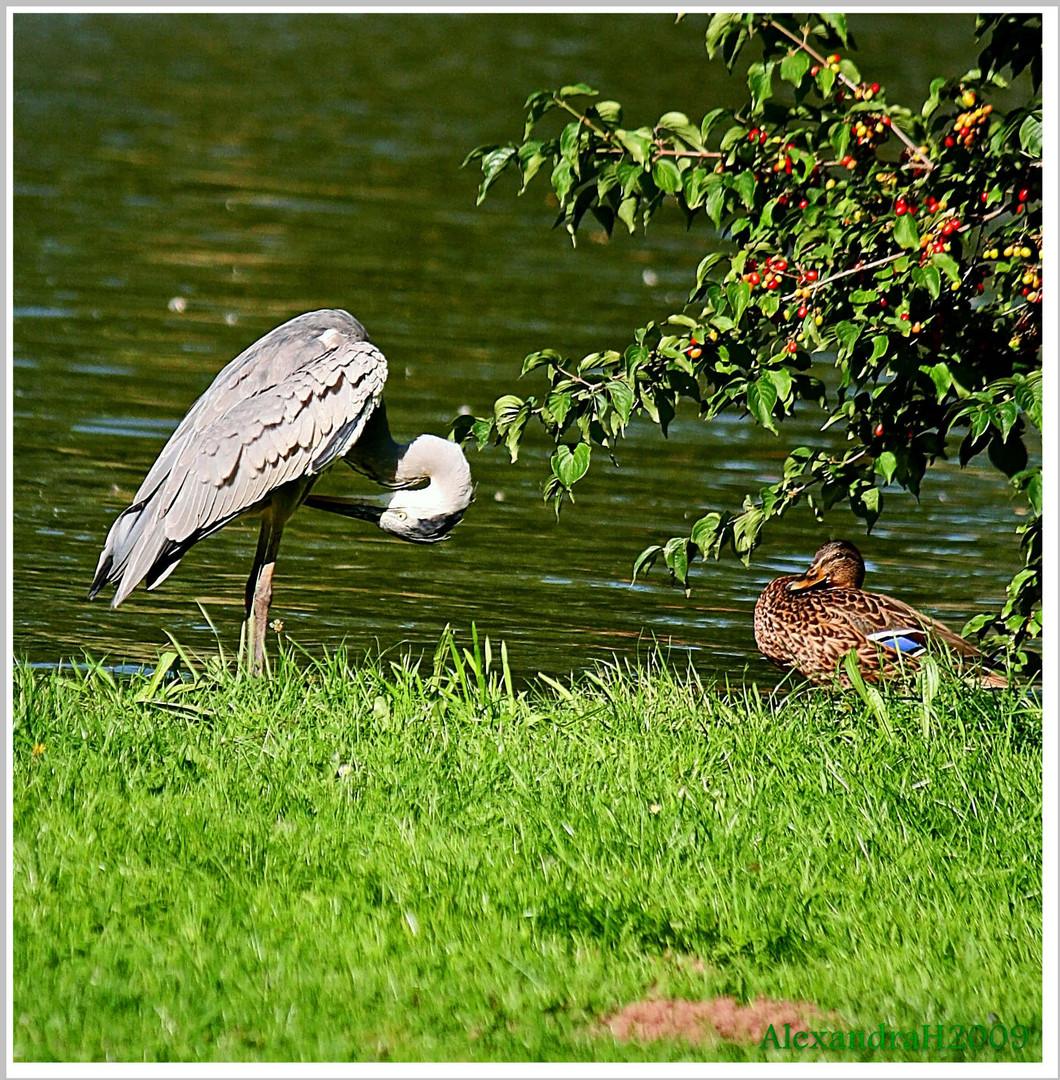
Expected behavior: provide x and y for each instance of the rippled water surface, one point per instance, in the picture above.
(185, 183)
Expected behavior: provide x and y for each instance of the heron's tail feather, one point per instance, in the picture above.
(138, 548)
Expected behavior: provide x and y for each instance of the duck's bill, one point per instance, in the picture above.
(813, 576)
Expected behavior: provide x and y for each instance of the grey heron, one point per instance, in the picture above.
(270, 424)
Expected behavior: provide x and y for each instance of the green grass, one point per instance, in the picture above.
(417, 862)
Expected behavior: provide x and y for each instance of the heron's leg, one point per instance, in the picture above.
(259, 589)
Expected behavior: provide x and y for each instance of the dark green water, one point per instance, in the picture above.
(259, 166)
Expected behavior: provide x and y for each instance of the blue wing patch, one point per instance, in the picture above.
(905, 640)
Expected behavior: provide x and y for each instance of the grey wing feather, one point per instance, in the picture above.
(266, 420)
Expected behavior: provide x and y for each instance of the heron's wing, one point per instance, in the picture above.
(281, 355)
(282, 411)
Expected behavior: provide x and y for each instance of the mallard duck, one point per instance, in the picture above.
(810, 621)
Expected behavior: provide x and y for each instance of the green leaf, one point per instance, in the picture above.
(627, 211)
(705, 532)
(929, 277)
(569, 466)
(863, 296)
(886, 463)
(675, 552)
(760, 83)
(879, 347)
(838, 22)
(562, 180)
(568, 142)
(794, 66)
(695, 186)
(576, 90)
(932, 103)
(1031, 136)
(539, 359)
(744, 185)
(645, 560)
(715, 204)
(505, 409)
(761, 397)
(558, 404)
(621, 396)
(781, 380)
(493, 164)
(1028, 396)
(637, 143)
(948, 265)
(608, 111)
(739, 293)
(942, 377)
(905, 232)
(666, 175)
(825, 80)
(847, 334)
(682, 127)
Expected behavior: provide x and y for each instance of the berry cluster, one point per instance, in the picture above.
(966, 126)
(695, 346)
(1028, 279)
(936, 240)
(772, 271)
(832, 63)
(871, 131)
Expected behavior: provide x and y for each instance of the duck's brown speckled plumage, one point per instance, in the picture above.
(810, 621)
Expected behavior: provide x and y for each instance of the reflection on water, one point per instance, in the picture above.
(184, 183)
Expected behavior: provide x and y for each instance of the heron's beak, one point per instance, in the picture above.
(367, 509)
(816, 575)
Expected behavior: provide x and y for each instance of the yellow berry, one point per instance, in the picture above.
(955, 286)
(1028, 278)
(1025, 252)
(968, 98)
(818, 319)
(829, 185)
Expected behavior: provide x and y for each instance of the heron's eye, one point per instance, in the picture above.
(400, 515)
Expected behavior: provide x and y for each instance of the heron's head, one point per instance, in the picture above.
(837, 565)
(434, 490)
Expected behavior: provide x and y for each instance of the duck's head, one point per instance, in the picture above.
(837, 565)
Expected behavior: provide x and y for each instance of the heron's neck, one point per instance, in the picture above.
(376, 454)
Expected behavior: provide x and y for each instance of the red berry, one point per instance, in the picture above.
(1020, 208)
(878, 430)
(803, 203)
(883, 301)
(781, 264)
(886, 121)
(793, 346)
(802, 311)
(754, 279)
(985, 195)
(811, 275)
(875, 88)
(904, 316)
(1022, 197)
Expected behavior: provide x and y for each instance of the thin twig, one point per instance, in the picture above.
(579, 379)
(851, 85)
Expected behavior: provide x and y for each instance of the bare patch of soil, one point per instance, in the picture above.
(706, 1021)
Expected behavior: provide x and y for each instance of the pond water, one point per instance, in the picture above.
(183, 183)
